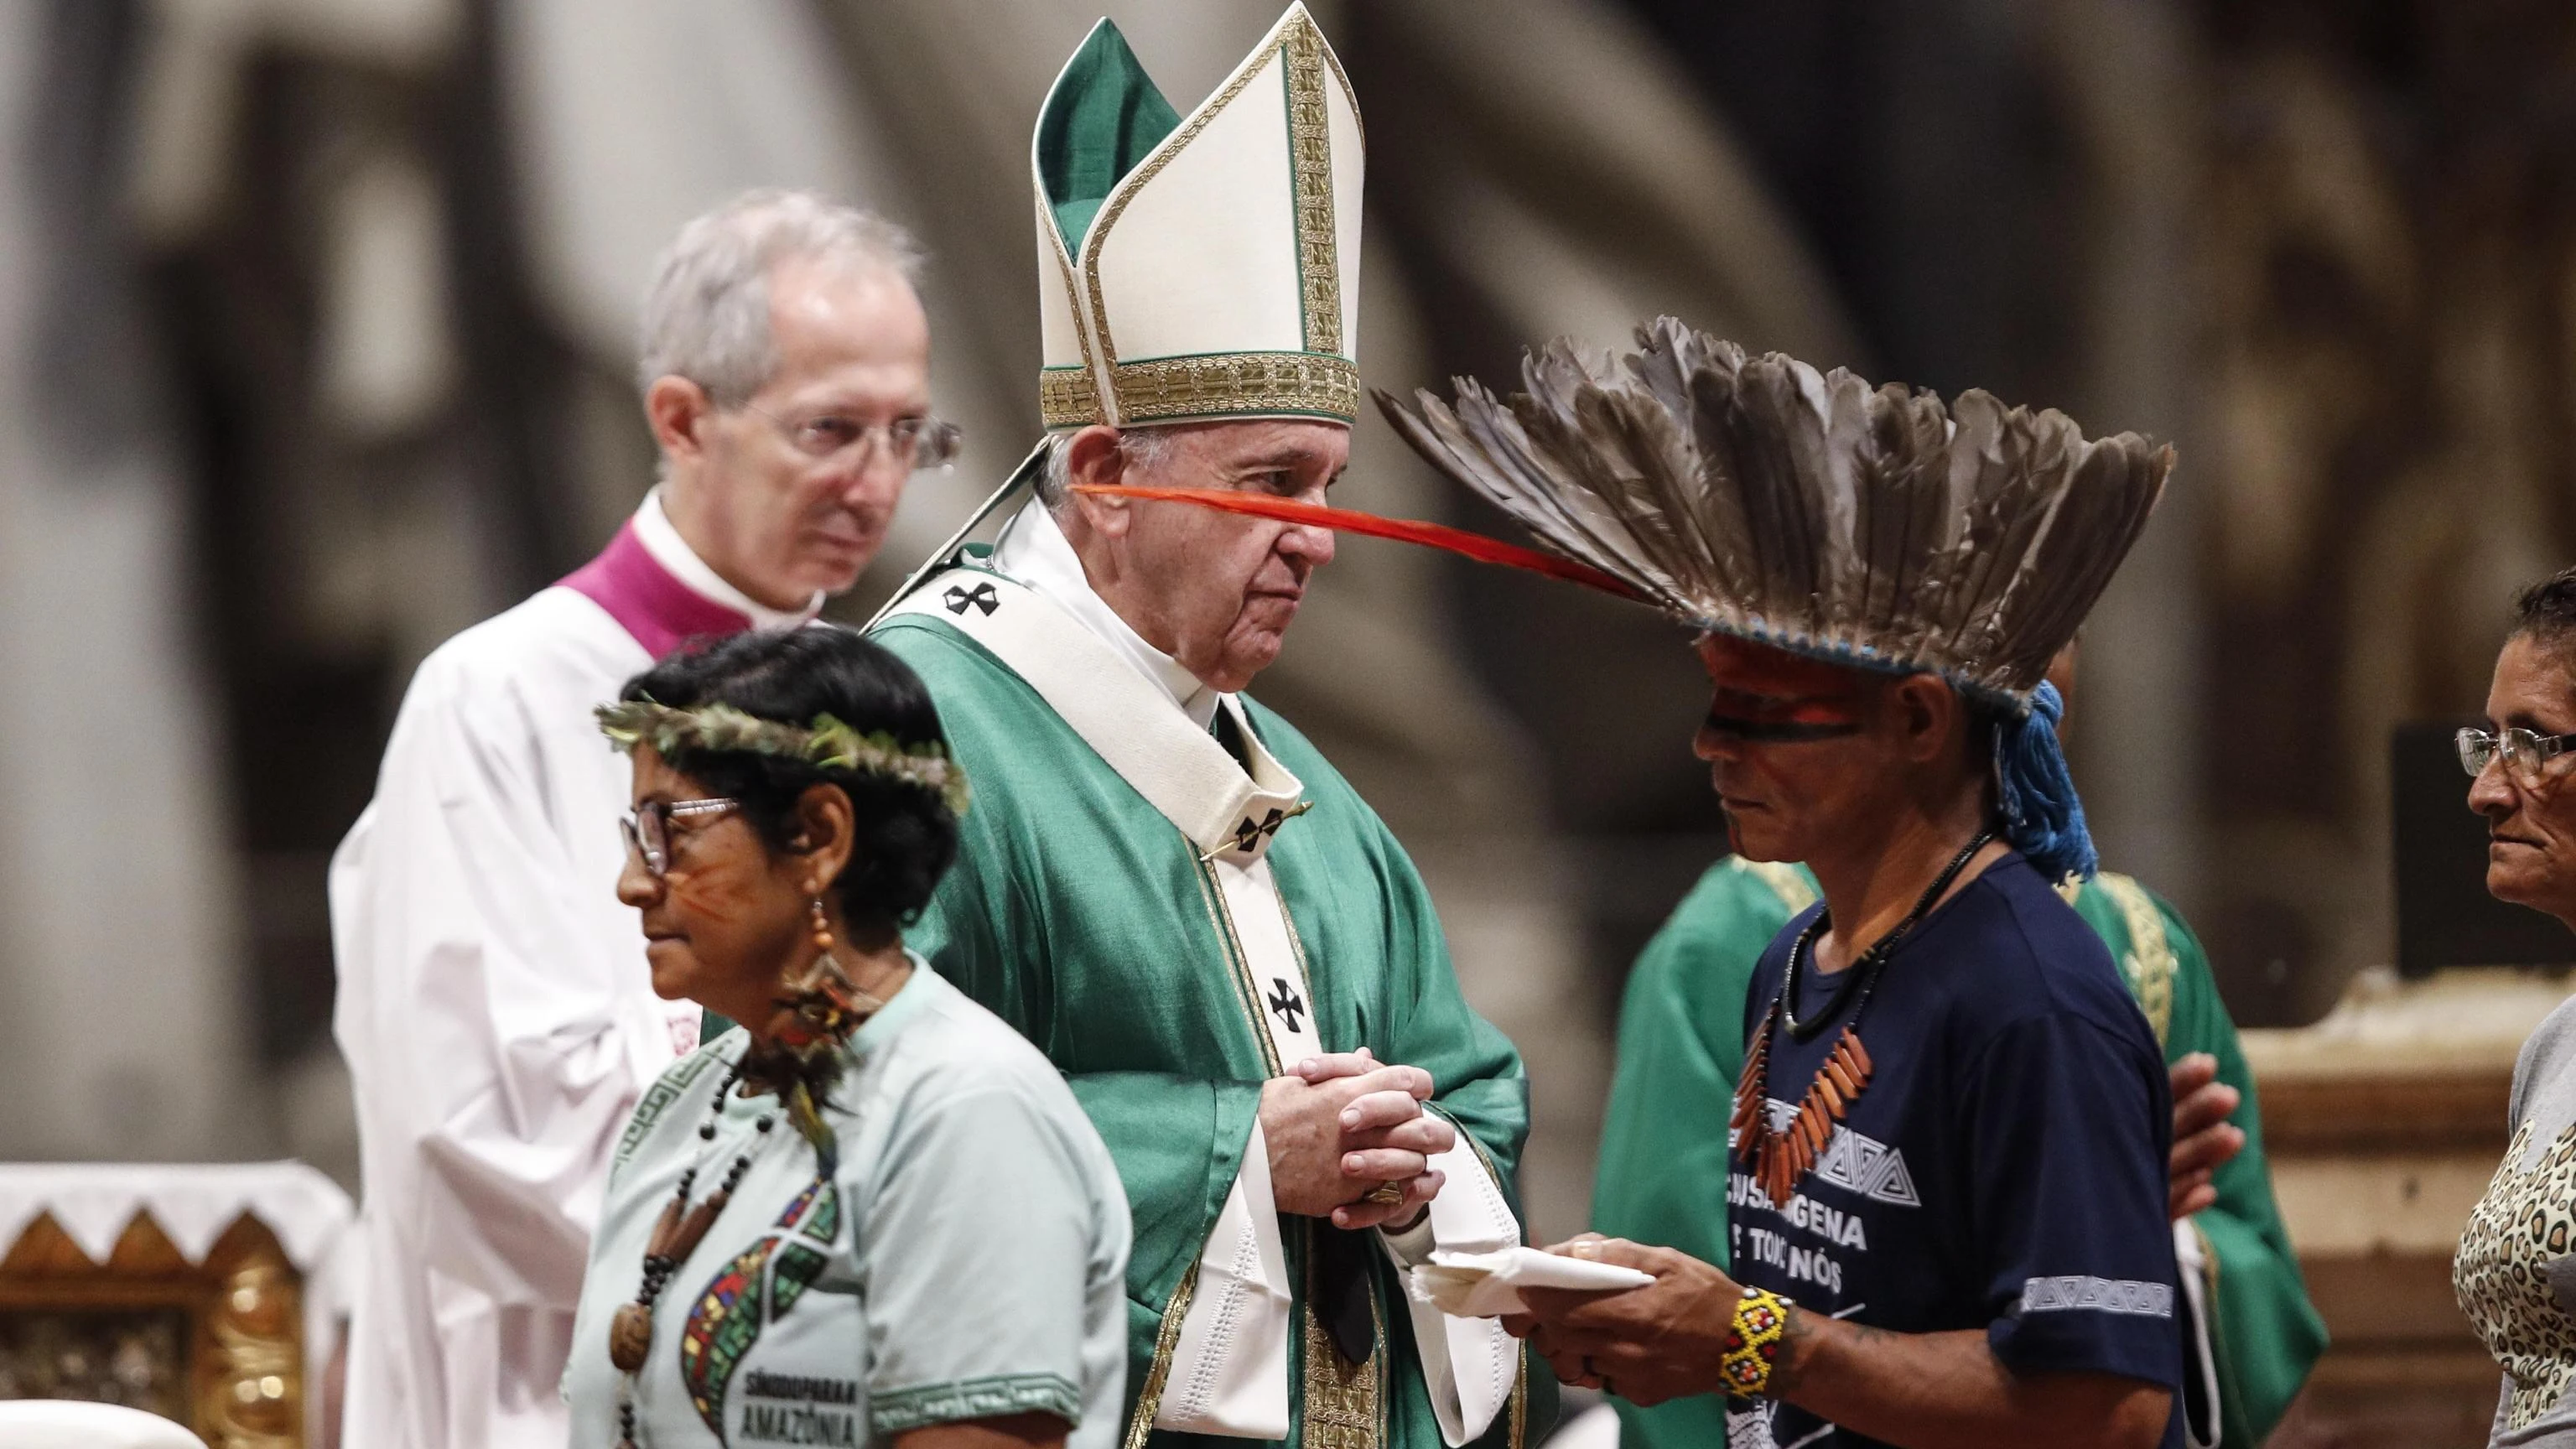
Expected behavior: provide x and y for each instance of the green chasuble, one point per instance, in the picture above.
(1663, 1167)
(1082, 913)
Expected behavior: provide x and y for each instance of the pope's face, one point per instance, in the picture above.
(2531, 825)
(1217, 591)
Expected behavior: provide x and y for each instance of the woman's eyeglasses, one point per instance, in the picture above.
(2524, 752)
(648, 830)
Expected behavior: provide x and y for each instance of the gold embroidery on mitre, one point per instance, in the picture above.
(1236, 382)
(1066, 398)
(1216, 384)
(1343, 1401)
(1097, 239)
(1310, 157)
(2500, 1273)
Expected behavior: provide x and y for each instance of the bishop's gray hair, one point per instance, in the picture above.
(706, 315)
(1143, 449)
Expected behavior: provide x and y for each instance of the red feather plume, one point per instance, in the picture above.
(1403, 530)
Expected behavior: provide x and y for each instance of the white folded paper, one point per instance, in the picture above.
(1487, 1285)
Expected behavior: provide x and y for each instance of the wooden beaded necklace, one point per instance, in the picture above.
(1780, 1158)
(676, 1234)
(821, 1009)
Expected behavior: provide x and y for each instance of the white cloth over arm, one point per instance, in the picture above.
(498, 1021)
(1469, 1364)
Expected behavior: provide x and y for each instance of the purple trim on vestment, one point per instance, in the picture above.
(643, 597)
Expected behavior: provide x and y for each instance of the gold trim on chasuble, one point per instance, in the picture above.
(1783, 879)
(1167, 1338)
(2151, 963)
(1344, 1402)
(1216, 383)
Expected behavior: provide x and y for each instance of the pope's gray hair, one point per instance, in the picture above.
(1143, 449)
(706, 315)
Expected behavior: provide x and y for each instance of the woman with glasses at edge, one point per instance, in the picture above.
(871, 1213)
(2514, 1273)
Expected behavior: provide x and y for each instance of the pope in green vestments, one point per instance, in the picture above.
(1079, 913)
(1663, 1170)
(1160, 882)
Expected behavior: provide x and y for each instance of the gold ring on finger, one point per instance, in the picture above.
(1386, 1194)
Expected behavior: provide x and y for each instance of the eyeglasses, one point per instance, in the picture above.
(648, 831)
(2524, 752)
(916, 443)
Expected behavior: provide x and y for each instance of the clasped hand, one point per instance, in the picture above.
(1343, 1123)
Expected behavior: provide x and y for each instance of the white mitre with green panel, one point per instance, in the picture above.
(1205, 267)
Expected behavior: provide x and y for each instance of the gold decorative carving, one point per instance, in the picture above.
(243, 1364)
(1236, 382)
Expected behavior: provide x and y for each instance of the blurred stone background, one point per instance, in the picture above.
(315, 334)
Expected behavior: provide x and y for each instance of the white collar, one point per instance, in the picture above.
(1034, 550)
(654, 530)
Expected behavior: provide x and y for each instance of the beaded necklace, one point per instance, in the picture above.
(675, 1235)
(1779, 1158)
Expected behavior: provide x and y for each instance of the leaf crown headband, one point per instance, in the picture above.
(826, 744)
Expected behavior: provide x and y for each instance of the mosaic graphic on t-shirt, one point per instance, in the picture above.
(732, 1311)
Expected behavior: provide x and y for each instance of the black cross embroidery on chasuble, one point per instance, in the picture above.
(1284, 1001)
(1249, 833)
(961, 598)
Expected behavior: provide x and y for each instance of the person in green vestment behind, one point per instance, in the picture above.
(1163, 884)
(1662, 1177)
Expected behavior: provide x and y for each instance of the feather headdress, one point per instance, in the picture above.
(1755, 497)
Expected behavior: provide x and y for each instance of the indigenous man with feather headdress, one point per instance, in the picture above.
(1163, 884)
(1662, 1177)
(1947, 1180)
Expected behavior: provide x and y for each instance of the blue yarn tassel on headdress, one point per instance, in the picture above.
(2041, 816)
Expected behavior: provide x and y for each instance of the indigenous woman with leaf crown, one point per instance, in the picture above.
(871, 1213)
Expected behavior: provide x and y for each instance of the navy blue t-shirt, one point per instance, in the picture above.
(2005, 1168)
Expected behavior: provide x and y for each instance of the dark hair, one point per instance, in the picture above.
(2546, 611)
(905, 836)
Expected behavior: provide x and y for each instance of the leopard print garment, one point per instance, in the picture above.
(2526, 1220)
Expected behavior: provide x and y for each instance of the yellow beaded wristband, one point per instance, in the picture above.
(1753, 1342)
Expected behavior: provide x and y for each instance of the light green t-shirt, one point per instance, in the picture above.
(967, 1259)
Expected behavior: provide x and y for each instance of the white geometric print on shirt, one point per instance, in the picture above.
(2079, 1292)
(1856, 1163)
